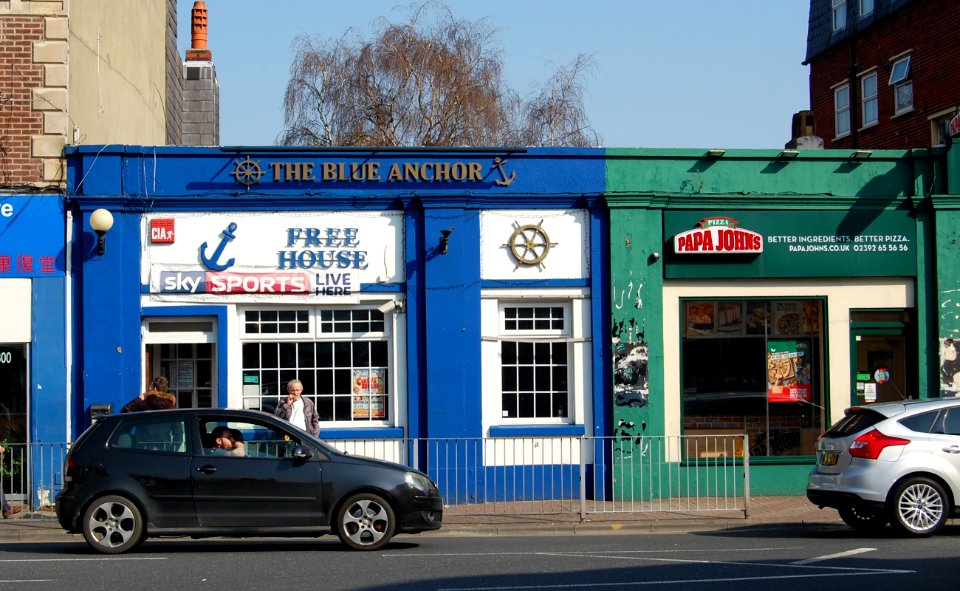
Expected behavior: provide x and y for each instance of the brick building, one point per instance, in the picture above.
(883, 73)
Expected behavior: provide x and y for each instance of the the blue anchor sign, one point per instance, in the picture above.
(212, 262)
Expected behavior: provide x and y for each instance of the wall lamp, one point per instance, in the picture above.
(861, 154)
(445, 239)
(101, 220)
(788, 153)
(716, 153)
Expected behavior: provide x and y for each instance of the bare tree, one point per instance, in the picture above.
(432, 81)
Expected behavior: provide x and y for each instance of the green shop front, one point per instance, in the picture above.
(768, 295)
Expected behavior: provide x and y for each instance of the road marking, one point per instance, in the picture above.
(594, 552)
(837, 555)
(595, 585)
(113, 558)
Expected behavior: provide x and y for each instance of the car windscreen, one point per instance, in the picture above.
(856, 420)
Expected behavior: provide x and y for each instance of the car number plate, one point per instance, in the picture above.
(829, 458)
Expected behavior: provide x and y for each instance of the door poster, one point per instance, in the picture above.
(788, 371)
(369, 394)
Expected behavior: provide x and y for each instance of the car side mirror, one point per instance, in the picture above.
(301, 453)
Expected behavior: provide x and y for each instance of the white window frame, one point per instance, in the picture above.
(901, 82)
(392, 325)
(939, 124)
(841, 118)
(869, 104)
(838, 11)
(866, 7)
(576, 304)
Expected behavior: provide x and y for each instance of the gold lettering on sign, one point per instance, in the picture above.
(358, 172)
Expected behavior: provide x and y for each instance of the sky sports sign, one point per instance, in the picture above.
(327, 283)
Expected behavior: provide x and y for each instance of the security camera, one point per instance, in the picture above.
(387, 307)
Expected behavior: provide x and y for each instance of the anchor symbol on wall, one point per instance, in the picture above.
(212, 262)
(505, 181)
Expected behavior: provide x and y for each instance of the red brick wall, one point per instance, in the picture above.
(18, 122)
(929, 29)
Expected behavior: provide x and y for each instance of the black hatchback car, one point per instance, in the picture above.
(162, 473)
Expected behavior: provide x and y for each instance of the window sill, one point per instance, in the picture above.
(902, 113)
(362, 433)
(867, 126)
(537, 431)
(841, 136)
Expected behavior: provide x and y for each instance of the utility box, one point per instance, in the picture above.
(98, 411)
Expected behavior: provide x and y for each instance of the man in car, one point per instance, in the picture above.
(229, 442)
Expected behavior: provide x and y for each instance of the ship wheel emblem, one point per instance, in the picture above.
(247, 172)
(530, 244)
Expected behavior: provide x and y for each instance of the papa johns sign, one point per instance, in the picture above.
(718, 235)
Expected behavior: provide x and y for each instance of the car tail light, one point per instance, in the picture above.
(68, 467)
(870, 444)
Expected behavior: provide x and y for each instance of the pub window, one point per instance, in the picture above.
(534, 362)
(342, 357)
(754, 367)
(536, 366)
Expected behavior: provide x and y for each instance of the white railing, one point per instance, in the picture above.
(549, 475)
(515, 475)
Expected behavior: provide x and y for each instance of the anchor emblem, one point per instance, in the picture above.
(211, 262)
(505, 182)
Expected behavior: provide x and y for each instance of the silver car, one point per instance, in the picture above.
(896, 463)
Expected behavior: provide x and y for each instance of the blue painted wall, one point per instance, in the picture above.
(442, 290)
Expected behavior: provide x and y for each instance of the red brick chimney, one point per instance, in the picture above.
(198, 51)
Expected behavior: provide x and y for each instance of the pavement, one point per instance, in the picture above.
(768, 511)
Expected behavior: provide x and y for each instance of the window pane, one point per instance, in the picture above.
(508, 379)
(839, 14)
(903, 94)
(508, 353)
(841, 101)
(900, 70)
(868, 89)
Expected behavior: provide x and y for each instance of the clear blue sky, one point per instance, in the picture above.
(668, 73)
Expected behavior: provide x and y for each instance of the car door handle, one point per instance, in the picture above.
(208, 469)
(953, 449)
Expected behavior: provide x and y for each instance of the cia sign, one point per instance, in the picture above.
(718, 235)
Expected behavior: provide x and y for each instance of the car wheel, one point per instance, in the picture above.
(919, 507)
(863, 519)
(113, 525)
(365, 522)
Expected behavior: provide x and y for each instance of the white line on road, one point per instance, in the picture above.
(837, 555)
(113, 558)
(593, 552)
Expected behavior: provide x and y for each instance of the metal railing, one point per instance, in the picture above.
(510, 476)
(31, 474)
(551, 475)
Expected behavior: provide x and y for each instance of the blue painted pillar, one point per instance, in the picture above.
(451, 298)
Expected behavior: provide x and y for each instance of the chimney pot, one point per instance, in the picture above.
(199, 36)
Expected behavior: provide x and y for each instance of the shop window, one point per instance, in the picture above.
(902, 85)
(534, 362)
(868, 99)
(753, 367)
(841, 108)
(345, 366)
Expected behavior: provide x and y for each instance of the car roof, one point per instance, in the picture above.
(889, 409)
